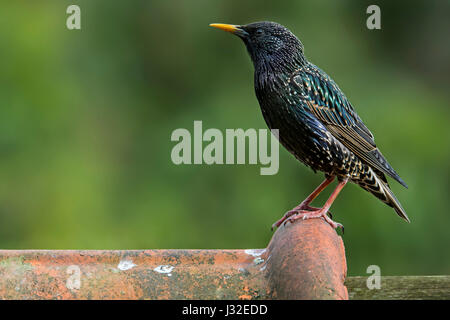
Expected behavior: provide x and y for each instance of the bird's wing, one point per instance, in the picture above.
(326, 101)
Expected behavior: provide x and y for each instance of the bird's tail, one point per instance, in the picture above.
(376, 183)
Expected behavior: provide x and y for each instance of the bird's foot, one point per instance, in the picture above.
(301, 207)
(318, 213)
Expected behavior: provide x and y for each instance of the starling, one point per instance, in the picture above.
(316, 122)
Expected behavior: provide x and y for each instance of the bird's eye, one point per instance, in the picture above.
(259, 32)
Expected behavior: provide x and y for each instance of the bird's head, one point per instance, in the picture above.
(267, 42)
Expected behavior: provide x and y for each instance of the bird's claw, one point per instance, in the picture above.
(297, 210)
(307, 214)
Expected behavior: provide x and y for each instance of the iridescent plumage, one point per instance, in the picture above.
(316, 122)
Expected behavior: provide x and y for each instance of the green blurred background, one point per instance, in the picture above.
(86, 118)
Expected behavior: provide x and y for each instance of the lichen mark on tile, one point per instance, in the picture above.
(255, 252)
(164, 269)
(126, 264)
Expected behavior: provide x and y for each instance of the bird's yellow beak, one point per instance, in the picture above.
(234, 29)
(225, 27)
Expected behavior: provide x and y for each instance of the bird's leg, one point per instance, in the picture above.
(322, 212)
(305, 203)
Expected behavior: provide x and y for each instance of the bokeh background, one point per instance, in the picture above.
(86, 119)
